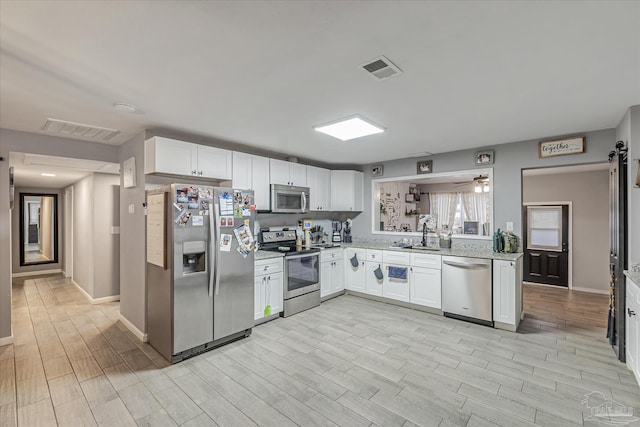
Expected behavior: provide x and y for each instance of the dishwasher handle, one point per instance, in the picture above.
(470, 266)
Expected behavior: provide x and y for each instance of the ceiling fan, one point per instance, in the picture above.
(480, 183)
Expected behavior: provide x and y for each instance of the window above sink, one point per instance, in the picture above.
(462, 200)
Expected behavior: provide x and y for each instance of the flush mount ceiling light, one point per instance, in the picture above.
(47, 174)
(125, 108)
(350, 128)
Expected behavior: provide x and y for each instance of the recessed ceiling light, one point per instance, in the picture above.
(350, 128)
(47, 174)
(125, 108)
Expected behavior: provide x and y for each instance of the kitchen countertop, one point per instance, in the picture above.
(634, 276)
(469, 251)
(267, 255)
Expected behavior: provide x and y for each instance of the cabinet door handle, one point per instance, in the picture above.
(193, 172)
(200, 173)
(630, 312)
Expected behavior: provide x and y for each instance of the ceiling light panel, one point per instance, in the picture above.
(350, 128)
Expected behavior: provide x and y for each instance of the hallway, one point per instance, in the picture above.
(350, 361)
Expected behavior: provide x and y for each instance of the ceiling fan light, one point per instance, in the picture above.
(485, 187)
(478, 188)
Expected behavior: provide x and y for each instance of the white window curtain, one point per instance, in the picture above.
(444, 206)
(475, 207)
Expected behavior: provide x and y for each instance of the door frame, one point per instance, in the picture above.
(68, 232)
(570, 243)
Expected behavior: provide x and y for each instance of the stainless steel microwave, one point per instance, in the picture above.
(289, 199)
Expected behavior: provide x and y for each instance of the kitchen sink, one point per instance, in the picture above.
(424, 248)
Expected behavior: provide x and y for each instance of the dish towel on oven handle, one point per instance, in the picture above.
(398, 273)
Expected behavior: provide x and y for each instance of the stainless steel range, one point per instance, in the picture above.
(301, 270)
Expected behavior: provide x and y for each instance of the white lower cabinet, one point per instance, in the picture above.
(426, 280)
(355, 275)
(373, 284)
(507, 293)
(632, 327)
(331, 272)
(268, 288)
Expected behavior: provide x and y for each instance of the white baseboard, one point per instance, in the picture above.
(130, 326)
(96, 300)
(6, 340)
(36, 273)
(593, 291)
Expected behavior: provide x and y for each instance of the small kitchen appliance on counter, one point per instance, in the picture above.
(301, 269)
(337, 227)
(346, 235)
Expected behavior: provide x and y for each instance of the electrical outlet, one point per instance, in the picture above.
(132, 208)
(509, 226)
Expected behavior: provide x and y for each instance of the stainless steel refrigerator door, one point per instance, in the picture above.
(192, 306)
(233, 294)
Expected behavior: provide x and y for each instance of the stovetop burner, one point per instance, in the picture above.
(283, 241)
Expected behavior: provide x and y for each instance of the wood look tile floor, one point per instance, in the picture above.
(350, 362)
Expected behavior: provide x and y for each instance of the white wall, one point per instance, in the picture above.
(83, 234)
(106, 253)
(22, 142)
(589, 192)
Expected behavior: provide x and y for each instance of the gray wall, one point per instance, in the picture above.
(83, 234)
(133, 300)
(589, 192)
(15, 232)
(628, 131)
(510, 159)
(37, 144)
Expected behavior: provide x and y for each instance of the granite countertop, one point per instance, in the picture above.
(267, 255)
(634, 276)
(470, 251)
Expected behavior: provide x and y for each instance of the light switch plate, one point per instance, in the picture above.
(132, 208)
(509, 226)
(115, 229)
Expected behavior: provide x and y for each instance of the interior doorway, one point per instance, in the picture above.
(565, 217)
(546, 243)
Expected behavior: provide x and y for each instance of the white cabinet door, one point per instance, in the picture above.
(242, 170)
(326, 270)
(274, 292)
(631, 327)
(337, 275)
(373, 285)
(426, 287)
(355, 276)
(214, 163)
(346, 190)
(260, 181)
(319, 183)
(504, 291)
(279, 172)
(395, 288)
(298, 174)
(169, 156)
(258, 297)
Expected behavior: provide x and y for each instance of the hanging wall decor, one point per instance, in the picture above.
(561, 147)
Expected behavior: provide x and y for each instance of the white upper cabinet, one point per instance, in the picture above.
(288, 173)
(252, 172)
(346, 191)
(174, 157)
(319, 183)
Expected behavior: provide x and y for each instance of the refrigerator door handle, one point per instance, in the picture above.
(216, 250)
(211, 249)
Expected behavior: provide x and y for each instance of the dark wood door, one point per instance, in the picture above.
(546, 244)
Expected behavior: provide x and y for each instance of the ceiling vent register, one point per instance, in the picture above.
(381, 68)
(79, 130)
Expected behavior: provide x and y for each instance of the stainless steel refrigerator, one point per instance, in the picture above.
(200, 254)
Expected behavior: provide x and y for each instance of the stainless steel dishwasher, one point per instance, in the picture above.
(466, 289)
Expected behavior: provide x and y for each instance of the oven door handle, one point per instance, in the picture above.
(308, 254)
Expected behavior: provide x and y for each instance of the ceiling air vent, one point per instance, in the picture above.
(79, 130)
(381, 68)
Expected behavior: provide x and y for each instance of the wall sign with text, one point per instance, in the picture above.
(561, 147)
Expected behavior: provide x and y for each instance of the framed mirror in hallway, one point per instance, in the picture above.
(38, 229)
